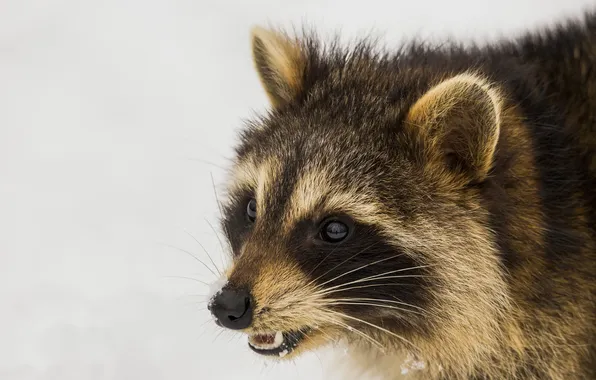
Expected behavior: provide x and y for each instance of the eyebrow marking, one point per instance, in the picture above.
(255, 178)
(308, 193)
(315, 195)
(244, 176)
(268, 171)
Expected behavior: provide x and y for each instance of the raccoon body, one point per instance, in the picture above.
(437, 204)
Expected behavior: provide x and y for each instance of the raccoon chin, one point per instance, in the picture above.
(277, 343)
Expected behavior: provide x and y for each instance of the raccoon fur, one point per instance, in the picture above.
(433, 205)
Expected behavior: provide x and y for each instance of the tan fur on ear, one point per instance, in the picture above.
(459, 120)
(280, 63)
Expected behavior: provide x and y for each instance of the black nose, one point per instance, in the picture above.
(232, 308)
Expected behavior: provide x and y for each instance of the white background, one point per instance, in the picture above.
(114, 114)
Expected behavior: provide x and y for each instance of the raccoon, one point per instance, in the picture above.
(433, 208)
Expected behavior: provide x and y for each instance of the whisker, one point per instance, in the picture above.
(204, 250)
(377, 305)
(191, 255)
(327, 336)
(376, 277)
(206, 162)
(204, 323)
(191, 295)
(364, 286)
(233, 336)
(400, 276)
(221, 215)
(343, 262)
(359, 268)
(341, 323)
(215, 194)
(393, 271)
(357, 331)
(380, 300)
(402, 270)
(338, 287)
(377, 327)
(219, 241)
(218, 335)
(324, 258)
(188, 278)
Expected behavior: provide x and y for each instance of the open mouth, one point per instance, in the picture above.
(278, 343)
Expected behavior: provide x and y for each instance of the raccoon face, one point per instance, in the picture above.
(356, 214)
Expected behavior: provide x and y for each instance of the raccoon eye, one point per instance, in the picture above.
(251, 210)
(334, 231)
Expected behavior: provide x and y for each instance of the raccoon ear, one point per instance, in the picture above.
(280, 63)
(458, 122)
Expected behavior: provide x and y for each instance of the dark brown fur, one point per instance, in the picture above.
(471, 170)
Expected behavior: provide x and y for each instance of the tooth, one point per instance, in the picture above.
(279, 339)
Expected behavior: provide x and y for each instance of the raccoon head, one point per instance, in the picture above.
(354, 207)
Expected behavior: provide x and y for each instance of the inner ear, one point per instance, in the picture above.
(280, 62)
(458, 121)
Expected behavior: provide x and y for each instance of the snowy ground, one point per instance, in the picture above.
(109, 112)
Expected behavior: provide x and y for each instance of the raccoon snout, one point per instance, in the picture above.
(233, 308)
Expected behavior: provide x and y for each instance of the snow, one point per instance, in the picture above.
(412, 363)
(215, 287)
(114, 114)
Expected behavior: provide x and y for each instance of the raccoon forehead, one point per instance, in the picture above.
(315, 191)
(325, 165)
